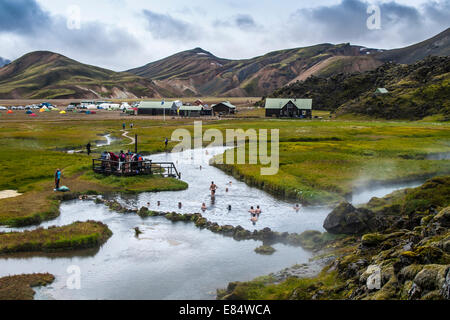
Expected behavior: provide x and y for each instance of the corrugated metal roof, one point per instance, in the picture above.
(227, 103)
(155, 105)
(304, 104)
(382, 90)
(191, 108)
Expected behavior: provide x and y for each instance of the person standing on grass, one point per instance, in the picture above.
(124, 126)
(57, 178)
(132, 125)
(88, 148)
(166, 142)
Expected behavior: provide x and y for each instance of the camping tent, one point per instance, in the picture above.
(33, 115)
(62, 112)
(9, 111)
(29, 112)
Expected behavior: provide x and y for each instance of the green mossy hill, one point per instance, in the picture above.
(20, 287)
(79, 235)
(415, 91)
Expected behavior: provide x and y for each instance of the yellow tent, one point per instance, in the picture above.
(42, 110)
(62, 112)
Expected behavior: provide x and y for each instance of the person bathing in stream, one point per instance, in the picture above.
(254, 218)
(258, 211)
(204, 207)
(297, 207)
(213, 189)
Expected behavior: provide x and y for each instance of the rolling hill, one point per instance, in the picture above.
(49, 75)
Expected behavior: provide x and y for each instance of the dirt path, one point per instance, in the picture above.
(125, 134)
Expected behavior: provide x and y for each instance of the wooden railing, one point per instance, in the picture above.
(135, 168)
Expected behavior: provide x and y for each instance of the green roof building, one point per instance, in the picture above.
(289, 108)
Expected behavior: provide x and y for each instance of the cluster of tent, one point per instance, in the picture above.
(44, 109)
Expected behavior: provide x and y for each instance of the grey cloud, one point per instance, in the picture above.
(245, 21)
(346, 22)
(164, 26)
(241, 21)
(95, 42)
(438, 11)
(25, 16)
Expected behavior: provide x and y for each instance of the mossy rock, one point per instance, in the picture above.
(443, 217)
(426, 255)
(409, 272)
(201, 222)
(431, 277)
(265, 250)
(372, 239)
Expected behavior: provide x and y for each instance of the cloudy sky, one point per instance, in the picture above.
(122, 34)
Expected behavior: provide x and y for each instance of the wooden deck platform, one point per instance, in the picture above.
(135, 168)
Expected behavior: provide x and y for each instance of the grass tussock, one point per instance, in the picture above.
(79, 235)
(20, 287)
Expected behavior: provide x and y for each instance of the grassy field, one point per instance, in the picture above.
(320, 161)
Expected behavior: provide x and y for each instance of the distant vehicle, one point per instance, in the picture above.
(13, 108)
(3, 108)
(20, 108)
(70, 108)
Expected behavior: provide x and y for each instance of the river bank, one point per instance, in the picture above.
(404, 254)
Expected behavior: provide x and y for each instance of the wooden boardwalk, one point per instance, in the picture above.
(135, 168)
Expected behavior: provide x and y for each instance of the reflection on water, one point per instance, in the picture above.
(168, 261)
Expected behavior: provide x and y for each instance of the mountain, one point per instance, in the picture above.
(198, 72)
(415, 91)
(4, 61)
(437, 46)
(49, 75)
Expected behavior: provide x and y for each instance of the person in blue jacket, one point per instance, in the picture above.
(57, 178)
